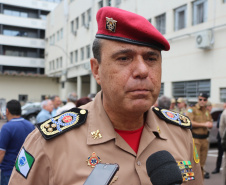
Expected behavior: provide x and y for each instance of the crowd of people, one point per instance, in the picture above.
(120, 125)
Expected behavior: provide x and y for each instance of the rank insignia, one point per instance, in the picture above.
(186, 170)
(111, 24)
(93, 160)
(53, 127)
(173, 117)
(96, 134)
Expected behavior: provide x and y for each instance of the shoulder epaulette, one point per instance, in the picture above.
(172, 117)
(62, 123)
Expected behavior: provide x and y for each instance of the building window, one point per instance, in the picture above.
(161, 23)
(108, 3)
(117, 3)
(223, 95)
(180, 17)
(76, 56)
(83, 19)
(224, 1)
(161, 90)
(50, 65)
(53, 64)
(149, 20)
(15, 33)
(58, 35)
(61, 33)
(71, 57)
(61, 62)
(199, 11)
(89, 15)
(190, 89)
(77, 23)
(57, 63)
(82, 54)
(88, 51)
(23, 97)
(72, 26)
(100, 4)
(15, 13)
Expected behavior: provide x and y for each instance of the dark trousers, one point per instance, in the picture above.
(4, 179)
(220, 154)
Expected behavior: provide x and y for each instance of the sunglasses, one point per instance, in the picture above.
(202, 99)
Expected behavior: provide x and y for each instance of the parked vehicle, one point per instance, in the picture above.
(30, 111)
(215, 112)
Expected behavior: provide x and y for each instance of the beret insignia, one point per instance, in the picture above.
(172, 117)
(110, 24)
(59, 124)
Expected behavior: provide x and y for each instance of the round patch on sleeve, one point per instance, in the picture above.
(195, 153)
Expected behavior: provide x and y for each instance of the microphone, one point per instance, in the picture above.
(162, 169)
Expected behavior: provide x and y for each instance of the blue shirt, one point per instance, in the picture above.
(12, 136)
(53, 113)
(43, 115)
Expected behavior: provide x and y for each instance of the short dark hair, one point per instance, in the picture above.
(14, 107)
(83, 101)
(97, 49)
(53, 97)
(164, 102)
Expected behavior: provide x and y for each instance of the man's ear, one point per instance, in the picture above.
(95, 69)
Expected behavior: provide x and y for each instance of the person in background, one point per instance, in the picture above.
(45, 113)
(209, 106)
(83, 101)
(12, 136)
(56, 104)
(219, 146)
(173, 104)
(71, 102)
(222, 131)
(164, 102)
(201, 120)
(181, 106)
(120, 125)
(91, 96)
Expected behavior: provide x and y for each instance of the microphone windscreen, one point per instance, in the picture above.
(162, 169)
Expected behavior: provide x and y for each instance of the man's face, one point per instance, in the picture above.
(202, 101)
(56, 102)
(129, 75)
(180, 105)
(49, 107)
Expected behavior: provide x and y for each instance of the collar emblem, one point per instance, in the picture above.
(96, 134)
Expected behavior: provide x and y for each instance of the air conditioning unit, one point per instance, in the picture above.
(204, 39)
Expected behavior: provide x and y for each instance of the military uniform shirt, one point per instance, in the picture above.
(63, 160)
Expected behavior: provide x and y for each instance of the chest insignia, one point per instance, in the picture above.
(53, 127)
(186, 170)
(172, 117)
(93, 160)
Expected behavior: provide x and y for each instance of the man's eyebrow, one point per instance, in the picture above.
(153, 53)
(123, 51)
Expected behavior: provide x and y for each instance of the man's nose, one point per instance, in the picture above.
(140, 68)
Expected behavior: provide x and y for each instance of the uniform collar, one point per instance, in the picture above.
(99, 120)
(17, 119)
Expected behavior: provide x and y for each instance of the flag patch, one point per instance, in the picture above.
(24, 163)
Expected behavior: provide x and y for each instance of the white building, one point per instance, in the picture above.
(22, 44)
(196, 30)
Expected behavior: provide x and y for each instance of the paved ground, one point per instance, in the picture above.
(216, 179)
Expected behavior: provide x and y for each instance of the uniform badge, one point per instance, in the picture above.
(93, 160)
(73, 118)
(111, 24)
(96, 134)
(24, 162)
(173, 117)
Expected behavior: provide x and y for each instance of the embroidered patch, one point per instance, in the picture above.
(111, 24)
(53, 127)
(24, 163)
(93, 160)
(173, 117)
(186, 170)
(195, 153)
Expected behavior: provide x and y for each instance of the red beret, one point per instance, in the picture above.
(120, 25)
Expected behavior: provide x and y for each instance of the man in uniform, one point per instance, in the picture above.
(181, 105)
(120, 125)
(201, 121)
